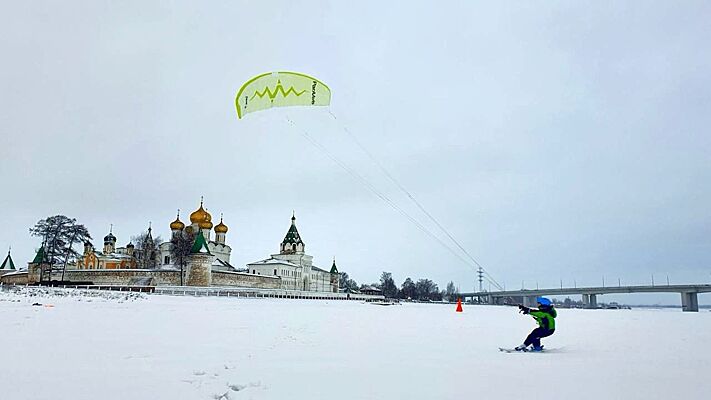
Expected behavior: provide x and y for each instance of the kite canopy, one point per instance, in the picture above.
(281, 89)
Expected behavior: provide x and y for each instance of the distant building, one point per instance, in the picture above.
(295, 267)
(111, 257)
(366, 289)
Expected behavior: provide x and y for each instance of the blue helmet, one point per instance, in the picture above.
(543, 301)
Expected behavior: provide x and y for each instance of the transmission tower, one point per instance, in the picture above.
(480, 274)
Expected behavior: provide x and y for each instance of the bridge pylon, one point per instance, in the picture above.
(690, 301)
(590, 301)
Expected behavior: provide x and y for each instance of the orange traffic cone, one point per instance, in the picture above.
(459, 305)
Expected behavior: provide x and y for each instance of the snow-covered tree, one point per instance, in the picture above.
(408, 289)
(387, 284)
(345, 282)
(59, 233)
(427, 290)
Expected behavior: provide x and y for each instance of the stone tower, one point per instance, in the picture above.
(37, 266)
(199, 271)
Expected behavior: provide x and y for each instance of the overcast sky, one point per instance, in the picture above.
(554, 141)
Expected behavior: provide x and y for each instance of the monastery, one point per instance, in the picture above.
(208, 263)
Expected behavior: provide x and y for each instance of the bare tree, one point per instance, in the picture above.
(451, 293)
(345, 282)
(180, 246)
(146, 250)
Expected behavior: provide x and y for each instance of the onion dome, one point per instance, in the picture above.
(207, 222)
(221, 227)
(110, 237)
(177, 225)
(130, 245)
(198, 215)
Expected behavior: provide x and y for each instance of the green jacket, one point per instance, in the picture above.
(545, 318)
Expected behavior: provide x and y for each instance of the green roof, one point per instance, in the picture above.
(8, 263)
(334, 270)
(41, 257)
(200, 244)
(292, 236)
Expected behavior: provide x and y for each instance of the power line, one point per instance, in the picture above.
(382, 196)
(411, 197)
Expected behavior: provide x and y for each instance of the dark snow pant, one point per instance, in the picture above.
(534, 338)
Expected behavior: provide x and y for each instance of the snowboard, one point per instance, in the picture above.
(508, 350)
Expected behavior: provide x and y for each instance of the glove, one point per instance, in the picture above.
(524, 310)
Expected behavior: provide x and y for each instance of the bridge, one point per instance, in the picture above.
(689, 294)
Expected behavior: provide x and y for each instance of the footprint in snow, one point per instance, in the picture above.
(238, 387)
(223, 396)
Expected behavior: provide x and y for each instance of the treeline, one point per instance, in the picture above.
(423, 289)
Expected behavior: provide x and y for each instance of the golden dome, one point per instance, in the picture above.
(199, 215)
(207, 222)
(177, 225)
(221, 227)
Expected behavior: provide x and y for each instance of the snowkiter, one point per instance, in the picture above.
(545, 316)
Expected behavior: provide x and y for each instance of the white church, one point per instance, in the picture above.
(201, 221)
(295, 267)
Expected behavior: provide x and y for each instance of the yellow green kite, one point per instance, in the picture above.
(281, 89)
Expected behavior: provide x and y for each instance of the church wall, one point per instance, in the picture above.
(12, 278)
(320, 281)
(240, 279)
(221, 251)
(165, 252)
(161, 278)
(16, 279)
(117, 277)
(292, 278)
(123, 277)
(298, 259)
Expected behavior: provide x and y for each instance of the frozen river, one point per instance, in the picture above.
(162, 347)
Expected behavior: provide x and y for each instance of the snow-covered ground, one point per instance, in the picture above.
(118, 346)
